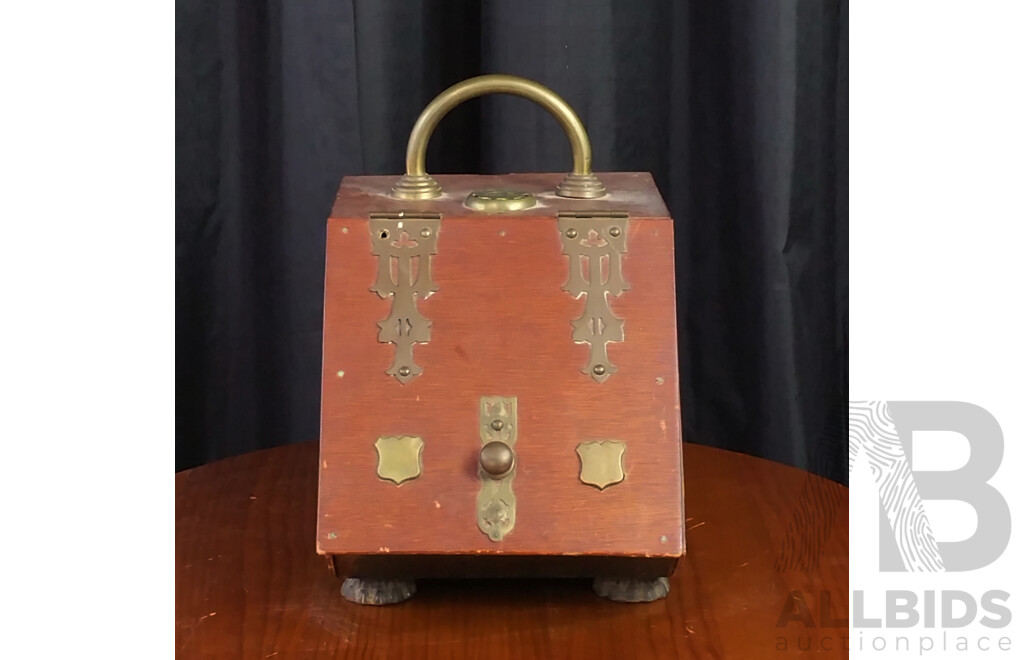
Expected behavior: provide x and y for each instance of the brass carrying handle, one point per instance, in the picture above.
(417, 184)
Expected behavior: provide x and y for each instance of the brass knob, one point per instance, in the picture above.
(497, 459)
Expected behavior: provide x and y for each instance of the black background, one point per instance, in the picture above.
(739, 109)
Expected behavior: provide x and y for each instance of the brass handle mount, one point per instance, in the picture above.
(417, 184)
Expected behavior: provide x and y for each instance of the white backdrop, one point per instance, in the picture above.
(936, 241)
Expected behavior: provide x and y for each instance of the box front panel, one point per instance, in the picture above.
(501, 325)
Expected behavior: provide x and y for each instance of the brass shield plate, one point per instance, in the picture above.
(399, 458)
(601, 463)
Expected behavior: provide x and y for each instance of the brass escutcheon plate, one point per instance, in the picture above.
(500, 201)
(496, 503)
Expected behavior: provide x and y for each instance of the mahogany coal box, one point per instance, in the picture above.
(500, 379)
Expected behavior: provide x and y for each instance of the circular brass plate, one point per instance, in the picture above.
(500, 201)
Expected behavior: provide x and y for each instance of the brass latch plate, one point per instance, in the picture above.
(496, 503)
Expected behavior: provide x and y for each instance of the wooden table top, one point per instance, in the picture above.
(766, 575)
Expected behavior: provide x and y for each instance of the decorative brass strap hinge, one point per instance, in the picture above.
(404, 245)
(496, 503)
(595, 243)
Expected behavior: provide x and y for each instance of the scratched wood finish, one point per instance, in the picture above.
(501, 326)
(249, 583)
(631, 192)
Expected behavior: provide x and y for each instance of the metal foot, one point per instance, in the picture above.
(631, 591)
(363, 591)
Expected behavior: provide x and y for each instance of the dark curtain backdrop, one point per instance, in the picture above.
(739, 109)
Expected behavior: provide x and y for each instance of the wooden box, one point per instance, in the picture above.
(500, 386)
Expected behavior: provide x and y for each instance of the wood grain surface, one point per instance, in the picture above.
(764, 542)
(501, 326)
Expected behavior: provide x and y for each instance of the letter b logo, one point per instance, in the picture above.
(883, 433)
